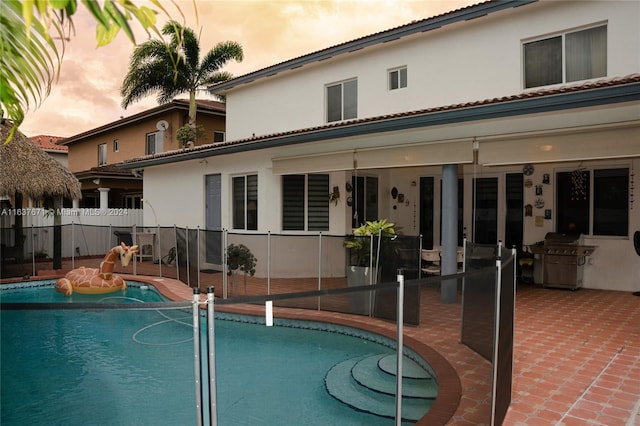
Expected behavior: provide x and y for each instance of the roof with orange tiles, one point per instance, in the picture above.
(415, 27)
(204, 105)
(49, 143)
(590, 93)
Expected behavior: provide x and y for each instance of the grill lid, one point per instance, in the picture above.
(558, 239)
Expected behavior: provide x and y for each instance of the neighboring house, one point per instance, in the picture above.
(503, 121)
(94, 154)
(49, 144)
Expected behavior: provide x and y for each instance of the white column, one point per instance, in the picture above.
(75, 204)
(104, 198)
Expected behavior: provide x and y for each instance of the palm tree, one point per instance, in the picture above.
(153, 68)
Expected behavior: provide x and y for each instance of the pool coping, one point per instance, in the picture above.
(449, 384)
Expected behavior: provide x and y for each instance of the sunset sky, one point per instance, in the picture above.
(87, 94)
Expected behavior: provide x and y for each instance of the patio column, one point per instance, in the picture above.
(449, 262)
(104, 198)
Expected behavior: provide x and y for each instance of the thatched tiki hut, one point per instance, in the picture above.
(26, 171)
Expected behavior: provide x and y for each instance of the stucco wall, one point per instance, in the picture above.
(464, 62)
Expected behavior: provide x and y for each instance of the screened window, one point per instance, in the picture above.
(398, 78)
(573, 56)
(593, 203)
(245, 202)
(305, 202)
(102, 154)
(342, 101)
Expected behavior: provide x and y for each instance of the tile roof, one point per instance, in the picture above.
(49, 143)
(109, 169)
(529, 94)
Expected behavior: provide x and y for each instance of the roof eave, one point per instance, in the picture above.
(544, 104)
(429, 24)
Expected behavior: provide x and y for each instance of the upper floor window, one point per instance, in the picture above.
(397, 78)
(568, 57)
(102, 154)
(116, 145)
(218, 136)
(593, 202)
(342, 101)
(245, 202)
(154, 143)
(305, 202)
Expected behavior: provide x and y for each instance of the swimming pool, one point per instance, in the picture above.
(136, 367)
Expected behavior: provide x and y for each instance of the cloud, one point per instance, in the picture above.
(87, 94)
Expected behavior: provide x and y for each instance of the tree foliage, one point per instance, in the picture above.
(33, 36)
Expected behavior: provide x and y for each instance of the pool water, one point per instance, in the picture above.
(124, 367)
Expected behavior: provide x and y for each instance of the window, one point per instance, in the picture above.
(132, 201)
(154, 143)
(342, 101)
(603, 210)
(116, 145)
(218, 136)
(245, 202)
(398, 78)
(573, 56)
(305, 202)
(102, 154)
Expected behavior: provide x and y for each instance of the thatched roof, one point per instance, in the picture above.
(27, 169)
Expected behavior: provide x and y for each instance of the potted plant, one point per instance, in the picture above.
(362, 268)
(240, 258)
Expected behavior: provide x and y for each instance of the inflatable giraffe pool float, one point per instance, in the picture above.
(101, 280)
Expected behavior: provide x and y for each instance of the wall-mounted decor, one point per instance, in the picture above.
(538, 189)
(539, 203)
(547, 214)
(528, 210)
(349, 201)
(401, 198)
(394, 192)
(528, 183)
(528, 169)
(348, 187)
(546, 179)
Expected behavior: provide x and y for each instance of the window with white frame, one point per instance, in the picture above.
(567, 57)
(593, 202)
(102, 154)
(154, 143)
(305, 202)
(218, 136)
(397, 78)
(342, 100)
(132, 201)
(245, 202)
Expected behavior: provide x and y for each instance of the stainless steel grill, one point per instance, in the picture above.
(563, 262)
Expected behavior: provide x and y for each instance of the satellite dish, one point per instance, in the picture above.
(162, 125)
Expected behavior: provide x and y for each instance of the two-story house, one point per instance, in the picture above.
(502, 121)
(94, 154)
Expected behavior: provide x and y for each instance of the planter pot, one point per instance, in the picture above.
(361, 302)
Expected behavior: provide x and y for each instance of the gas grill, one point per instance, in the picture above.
(563, 259)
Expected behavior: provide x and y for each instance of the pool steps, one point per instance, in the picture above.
(369, 384)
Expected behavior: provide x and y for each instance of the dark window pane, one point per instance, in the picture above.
(543, 62)
(318, 202)
(238, 202)
(293, 202)
(252, 202)
(572, 189)
(334, 103)
(611, 202)
(393, 80)
(586, 54)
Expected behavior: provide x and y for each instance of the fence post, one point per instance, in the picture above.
(186, 240)
(225, 242)
(268, 262)
(73, 245)
(319, 265)
(211, 344)
(196, 355)
(134, 241)
(399, 347)
(175, 237)
(159, 250)
(198, 253)
(33, 252)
